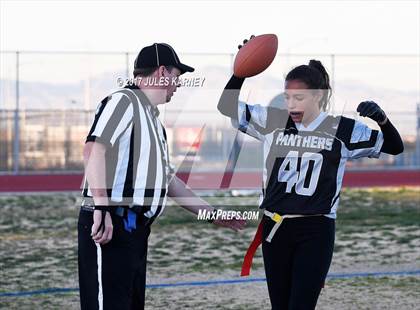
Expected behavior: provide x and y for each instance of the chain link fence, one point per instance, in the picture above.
(48, 100)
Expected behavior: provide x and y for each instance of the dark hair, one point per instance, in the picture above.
(145, 72)
(316, 77)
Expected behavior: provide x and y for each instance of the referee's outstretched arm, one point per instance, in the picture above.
(187, 199)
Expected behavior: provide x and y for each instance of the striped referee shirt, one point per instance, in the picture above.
(136, 157)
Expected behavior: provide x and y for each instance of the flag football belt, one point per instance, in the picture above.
(278, 219)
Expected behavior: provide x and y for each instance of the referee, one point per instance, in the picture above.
(127, 181)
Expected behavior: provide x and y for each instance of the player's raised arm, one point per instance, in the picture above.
(228, 102)
(254, 56)
(393, 143)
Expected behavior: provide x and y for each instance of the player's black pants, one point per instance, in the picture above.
(297, 260)
(112, 276)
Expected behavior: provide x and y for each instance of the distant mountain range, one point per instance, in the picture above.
(87, 94)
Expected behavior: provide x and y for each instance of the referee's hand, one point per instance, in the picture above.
(234, 224)
(103, 235)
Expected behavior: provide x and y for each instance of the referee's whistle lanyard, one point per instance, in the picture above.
(256, 242)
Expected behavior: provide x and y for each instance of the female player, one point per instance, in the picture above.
(305, 151)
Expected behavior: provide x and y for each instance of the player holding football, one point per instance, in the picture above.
(305, 151)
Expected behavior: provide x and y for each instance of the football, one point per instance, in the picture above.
(255, 56)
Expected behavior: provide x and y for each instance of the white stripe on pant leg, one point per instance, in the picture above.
(99, 262)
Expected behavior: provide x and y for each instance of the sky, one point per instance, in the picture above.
(349, 27)
(206, 28)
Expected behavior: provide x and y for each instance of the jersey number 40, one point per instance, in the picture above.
(294, 176)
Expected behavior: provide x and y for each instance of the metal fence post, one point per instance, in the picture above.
(127, 64)
(16, 141)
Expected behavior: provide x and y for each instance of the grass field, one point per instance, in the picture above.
(377, 230)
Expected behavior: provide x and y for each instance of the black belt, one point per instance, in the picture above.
(122, 212)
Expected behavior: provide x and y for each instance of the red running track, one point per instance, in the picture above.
(207, 181)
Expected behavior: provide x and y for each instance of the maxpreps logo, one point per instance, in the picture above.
(226, 215)
(314, 142)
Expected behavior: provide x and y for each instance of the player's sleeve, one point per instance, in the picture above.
(251, 119)
(112, 118)
(363, 141)
(257, 120)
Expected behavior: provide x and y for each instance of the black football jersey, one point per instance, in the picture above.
(304, 166)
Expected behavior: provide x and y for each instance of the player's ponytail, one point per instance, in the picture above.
(316, 77)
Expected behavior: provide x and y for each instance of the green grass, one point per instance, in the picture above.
(369, 210)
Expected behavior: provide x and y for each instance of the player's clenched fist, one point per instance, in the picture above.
(372, 110)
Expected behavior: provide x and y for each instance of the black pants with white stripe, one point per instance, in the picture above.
(297, 260)
(112, 276)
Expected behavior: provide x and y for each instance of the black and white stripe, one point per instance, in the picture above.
(137, 154)
(99, 272)
(364, 142)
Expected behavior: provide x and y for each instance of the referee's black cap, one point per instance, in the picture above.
(159, 54)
